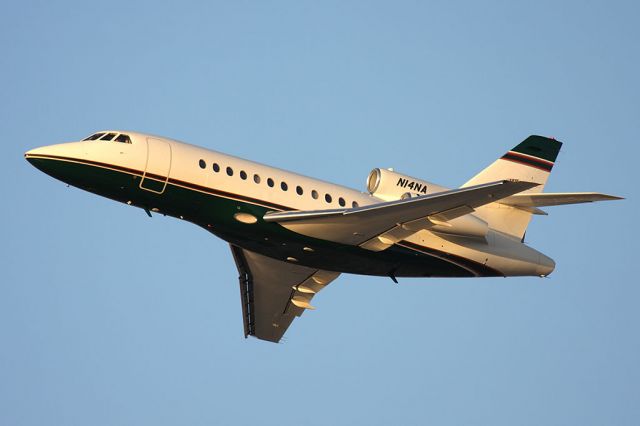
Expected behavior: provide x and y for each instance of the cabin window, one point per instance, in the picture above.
(314, 194)
(243, 175)
(354, 204)
(270, 182)
(108, 137)
(123, 138)
(94, 137)
(284, 186)
(202, 163)
(327, 198)
(299, 190)
(256, 178)
(216, 167)
(229, 171)
(341, 201)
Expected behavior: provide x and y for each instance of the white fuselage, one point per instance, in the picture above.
(181, 164)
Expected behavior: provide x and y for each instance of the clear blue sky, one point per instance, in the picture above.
(108, 317)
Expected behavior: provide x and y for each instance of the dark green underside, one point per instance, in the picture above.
(215, 214)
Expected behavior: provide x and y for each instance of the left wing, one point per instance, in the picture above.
(274, 292)
(378, 226)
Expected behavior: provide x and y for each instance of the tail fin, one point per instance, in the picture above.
(531, 161)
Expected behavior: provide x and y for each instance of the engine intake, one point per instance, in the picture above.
(388, 185)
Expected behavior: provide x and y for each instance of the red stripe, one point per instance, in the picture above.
(530, 157)
(477, 268)
(160, 178)
(513, 160)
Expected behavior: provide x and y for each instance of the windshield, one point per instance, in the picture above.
(114, 137)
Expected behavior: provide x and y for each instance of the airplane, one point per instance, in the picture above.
(291, 236)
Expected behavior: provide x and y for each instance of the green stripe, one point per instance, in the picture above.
(539, 146)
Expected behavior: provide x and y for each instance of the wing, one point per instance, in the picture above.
(378, 226)
(555, 199)
(274, 292)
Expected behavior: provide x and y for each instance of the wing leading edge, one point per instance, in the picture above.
(274, 292)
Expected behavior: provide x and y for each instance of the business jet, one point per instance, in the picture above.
(291, 235)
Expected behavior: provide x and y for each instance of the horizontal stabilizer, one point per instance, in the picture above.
(555, 199)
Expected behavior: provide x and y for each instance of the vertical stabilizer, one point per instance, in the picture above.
(531, 161)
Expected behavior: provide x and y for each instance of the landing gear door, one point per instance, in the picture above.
(158, 167)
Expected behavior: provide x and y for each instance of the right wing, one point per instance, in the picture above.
(274, 292)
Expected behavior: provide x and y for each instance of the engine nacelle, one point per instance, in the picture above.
(388, 185)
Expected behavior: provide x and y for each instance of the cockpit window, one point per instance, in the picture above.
(123, 138)
(93, 137)
(103, 136)
(108, 137)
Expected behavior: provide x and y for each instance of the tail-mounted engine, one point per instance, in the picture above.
(389, 185)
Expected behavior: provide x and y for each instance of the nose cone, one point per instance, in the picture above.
(50, 151)
(37, 151)
(54, 159)
(68, 150)
(546, 265)
(43, 158)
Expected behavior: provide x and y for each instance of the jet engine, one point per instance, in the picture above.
(388, 185)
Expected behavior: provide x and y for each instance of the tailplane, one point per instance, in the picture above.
(530, 161)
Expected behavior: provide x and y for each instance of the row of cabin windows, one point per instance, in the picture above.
(271, 183)
(115, 137)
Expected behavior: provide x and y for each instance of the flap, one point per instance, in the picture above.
(274, 292)
(358, 225)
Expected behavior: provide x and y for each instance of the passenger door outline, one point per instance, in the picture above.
(158, 166)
